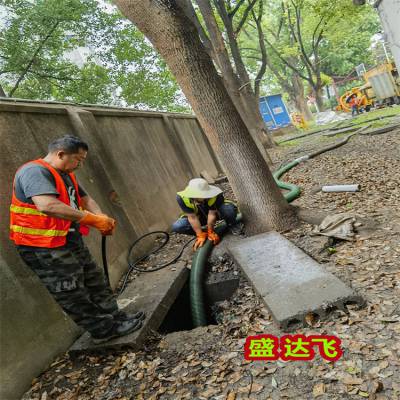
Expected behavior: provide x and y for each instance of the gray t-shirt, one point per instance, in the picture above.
(35, 180)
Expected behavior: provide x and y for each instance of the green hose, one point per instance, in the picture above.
(197, 303)
(294, 191)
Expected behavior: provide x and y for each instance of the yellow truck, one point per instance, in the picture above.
(382, 86)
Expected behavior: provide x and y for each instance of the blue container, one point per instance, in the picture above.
(274, 111)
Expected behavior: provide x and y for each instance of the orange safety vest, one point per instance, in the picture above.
(30, 227)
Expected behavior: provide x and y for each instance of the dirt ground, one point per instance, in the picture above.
(208, 363)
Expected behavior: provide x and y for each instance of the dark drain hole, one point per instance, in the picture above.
(219, 287)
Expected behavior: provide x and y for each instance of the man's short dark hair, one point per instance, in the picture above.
(68, 143)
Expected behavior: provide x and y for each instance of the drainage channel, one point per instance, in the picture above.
(218, 287)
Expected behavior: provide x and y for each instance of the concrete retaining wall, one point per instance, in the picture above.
(137, 162)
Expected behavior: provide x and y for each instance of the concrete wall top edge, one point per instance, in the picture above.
(21, 105)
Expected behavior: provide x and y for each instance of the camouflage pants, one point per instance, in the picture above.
(77, 284)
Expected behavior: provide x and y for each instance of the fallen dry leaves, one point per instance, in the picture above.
(210, 364)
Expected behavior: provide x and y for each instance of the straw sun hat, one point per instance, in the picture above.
(199, 188)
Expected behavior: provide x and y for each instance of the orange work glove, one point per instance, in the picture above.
(101, 222)
(200, 240)
(108, 232)
(213, 236)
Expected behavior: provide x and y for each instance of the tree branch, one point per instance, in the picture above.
(281, 20)
(234, 11)
(315, 31)
(245, 16)
(57, 78)
(51, 82)
(35, 54)
(320, 36)
(252, 57)
(221, 56)
(292, 67)
(304, 56)
(263, 50)
(291, 26)
(250, 49)
(275, 36)
(239, 65)
(190, 12)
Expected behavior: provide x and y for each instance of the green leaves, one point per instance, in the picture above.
(316, 39)
(80, 51)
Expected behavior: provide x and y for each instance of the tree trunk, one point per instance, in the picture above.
(318, 93)
(177, 41)
(250, 113)
(255, 122)
(2, 92)
(299, 99)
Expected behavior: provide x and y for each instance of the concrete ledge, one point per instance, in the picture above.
(152, 292)
(290, 282)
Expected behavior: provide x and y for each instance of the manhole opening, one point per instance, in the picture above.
(330, 309)
(179, 316)
(293, 324)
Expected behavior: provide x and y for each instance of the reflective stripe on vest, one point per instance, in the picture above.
(25, 210)
(212, 201)
(31, 227)
(188, 203)
(40, 232)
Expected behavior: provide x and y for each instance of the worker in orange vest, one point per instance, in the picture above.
(353, 103)
(48, 213)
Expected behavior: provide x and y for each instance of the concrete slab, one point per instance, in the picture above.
(222, 249)
(152, 292)
(220, 286)
(290, 282)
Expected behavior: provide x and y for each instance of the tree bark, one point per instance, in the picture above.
(255, 122)
(302, 107)
(318, 93)
(2, 92)
(177, 41)
(299, 99)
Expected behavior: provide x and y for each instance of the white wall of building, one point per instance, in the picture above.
(389, 12)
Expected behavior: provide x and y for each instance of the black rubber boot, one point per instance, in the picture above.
(123, 316)
(119, 329)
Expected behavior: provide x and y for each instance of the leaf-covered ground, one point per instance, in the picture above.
(208, 363)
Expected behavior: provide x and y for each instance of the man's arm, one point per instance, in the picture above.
(212, 218)
(50, 205)
(90, 205)
(195, 223)
(53, 207)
